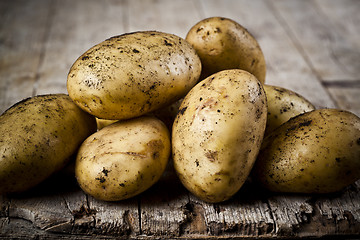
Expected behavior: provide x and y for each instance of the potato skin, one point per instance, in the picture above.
(222, 43)
(283, 104)
(101, 123)
(38, 136)
(315, 152)
(133, 74)
(217, 134)
(123, 159)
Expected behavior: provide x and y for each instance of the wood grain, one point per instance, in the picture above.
(22, 38)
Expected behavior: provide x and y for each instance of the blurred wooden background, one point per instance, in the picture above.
(310, 46)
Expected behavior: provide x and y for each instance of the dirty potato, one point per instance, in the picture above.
(315, 152)
(123, 159)
(217, 134)
(132, 74)
(222, 43)
(38, 136)
(283, 104)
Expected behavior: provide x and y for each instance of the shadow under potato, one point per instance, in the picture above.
(63, 181)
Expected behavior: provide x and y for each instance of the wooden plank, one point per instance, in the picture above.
(59, 206)
(247, 214)
(347, 98)
(286, 66)
(331, 47)
(290, 212)
(317, 215)
(114, 218)
(75, 27)
(176, 17)
(23, 31)
(163, 207)
(343, 18)
(45, 205)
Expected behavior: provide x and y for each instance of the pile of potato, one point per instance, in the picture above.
(139, 99)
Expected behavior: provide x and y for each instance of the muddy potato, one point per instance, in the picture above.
(123, 159)
(222, 43)
(217, 134)
(132, 74)
(38, 136)
(283, 104)
(315, 152)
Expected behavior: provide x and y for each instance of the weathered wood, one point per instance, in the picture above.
(163, 207)
(332, 53)
(115, 218)
(22, 38)
(247, 214)
(159, 15)
(342, 18)
(347, 97)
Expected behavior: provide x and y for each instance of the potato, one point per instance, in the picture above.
(315, 152)
(283, 104)
(133, 74)
(222, 43)
(38, 137)
(101, 123)
(217, 134)
(123, 159)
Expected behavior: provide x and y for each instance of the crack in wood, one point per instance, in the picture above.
(194, 222)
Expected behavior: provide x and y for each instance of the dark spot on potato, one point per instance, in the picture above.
(155, 155)
(101, 179)
(197, 163)
(122, 185)
(211, 155)
(337, 159)
(306, 123)
(135, 51)
(85, 58)
(279, 90)
(284, 109)
(167, 43)
(358, 141)
(91, 65)
(182, 110)
(105, 171)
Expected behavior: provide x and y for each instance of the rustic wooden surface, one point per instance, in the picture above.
(310, 46)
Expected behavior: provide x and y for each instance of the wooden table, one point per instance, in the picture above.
(311, 47)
